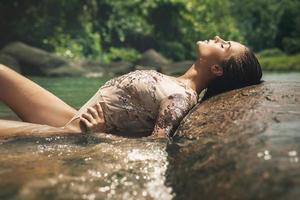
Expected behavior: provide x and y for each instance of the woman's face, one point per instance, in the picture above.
(215, 51)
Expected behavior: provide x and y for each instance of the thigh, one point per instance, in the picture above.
(31, 102)
(11, 129)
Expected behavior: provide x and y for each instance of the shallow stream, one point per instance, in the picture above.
(101, 167)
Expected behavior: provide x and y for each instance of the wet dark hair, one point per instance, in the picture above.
(238, 71)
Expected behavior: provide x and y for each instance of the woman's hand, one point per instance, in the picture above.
(93, 119)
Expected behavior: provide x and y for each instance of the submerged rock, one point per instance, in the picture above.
(243, 144)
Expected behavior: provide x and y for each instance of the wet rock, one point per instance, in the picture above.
(151, 59)
(239, 145)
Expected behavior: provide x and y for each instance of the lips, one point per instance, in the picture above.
(204, 41)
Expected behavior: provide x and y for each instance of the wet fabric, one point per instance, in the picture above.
(131, 102)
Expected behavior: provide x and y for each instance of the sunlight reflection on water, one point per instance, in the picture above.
(60, 169)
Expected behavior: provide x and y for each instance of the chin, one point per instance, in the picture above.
(200, 47)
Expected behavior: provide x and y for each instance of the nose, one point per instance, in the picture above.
(218, 39)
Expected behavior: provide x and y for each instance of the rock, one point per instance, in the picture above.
(144, 67)
(177, 68)
(33, 61)
(94, 68)
(243, 144)
(67, 70)
(10, 61)
(30, 60)
(91, 68)
(118, 68)
(91, 64)
(152, 59)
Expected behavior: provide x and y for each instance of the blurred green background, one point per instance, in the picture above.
(113, 30)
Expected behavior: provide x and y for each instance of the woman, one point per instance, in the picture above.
(140, 103)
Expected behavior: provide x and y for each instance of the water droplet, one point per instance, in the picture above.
(294, 159)
(87, 159)
(266, 152)
(267, 157)
(144, 193)
(260, 154)
(104, 189)
(292, 153)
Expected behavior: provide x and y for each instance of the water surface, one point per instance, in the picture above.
(102, 167)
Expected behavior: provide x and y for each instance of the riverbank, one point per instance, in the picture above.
(276, 60)
(31, 61)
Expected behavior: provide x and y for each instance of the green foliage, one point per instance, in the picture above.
(117, 20)
(178, 24)
(271, 52)
(174, 50)
(288, 34)
(119, 54)
(291, 45)
(65, 46)
(110, 30)
(86, 44)
(280, 62)
(258, 21)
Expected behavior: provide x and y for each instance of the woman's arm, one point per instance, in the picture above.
(171, 112)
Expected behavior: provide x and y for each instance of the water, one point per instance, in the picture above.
(74, 91)
(98, 167)
(274, 76)
(104, 167)
(60, 168)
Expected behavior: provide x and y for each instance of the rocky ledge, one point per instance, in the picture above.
(243, 144)
(29, 60)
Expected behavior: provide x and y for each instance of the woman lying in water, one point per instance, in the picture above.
(140, 103)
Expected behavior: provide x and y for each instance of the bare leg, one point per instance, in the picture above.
(31, 102)
(11, 129)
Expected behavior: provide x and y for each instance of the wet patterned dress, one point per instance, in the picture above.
(131, 103)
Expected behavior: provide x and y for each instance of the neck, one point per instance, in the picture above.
(195, 78)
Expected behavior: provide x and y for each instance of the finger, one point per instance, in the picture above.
(99, 110)
(86, 122)
(93, 112)
(88, 117)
